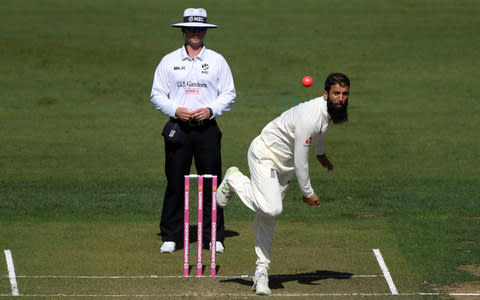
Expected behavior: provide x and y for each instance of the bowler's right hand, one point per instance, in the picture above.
(312, 201)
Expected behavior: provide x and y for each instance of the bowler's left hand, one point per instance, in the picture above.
(325, 162)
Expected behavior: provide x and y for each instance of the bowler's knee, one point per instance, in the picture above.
(273, 211)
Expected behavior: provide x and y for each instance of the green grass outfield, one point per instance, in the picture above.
(81, 160)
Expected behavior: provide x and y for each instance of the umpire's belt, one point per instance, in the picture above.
(194, 123)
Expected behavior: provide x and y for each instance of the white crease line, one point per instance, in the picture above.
(181, 276)
(122, 276)
(207, 295)
(11, 272)
(385, 271)
(466, 294)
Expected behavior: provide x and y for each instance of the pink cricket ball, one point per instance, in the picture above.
(307, 81)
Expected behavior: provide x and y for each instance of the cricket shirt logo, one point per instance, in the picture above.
(273, 173)
(205, 68)
(308, 141)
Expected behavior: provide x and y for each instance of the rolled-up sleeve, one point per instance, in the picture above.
(318, 144)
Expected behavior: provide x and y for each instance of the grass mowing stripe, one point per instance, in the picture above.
(11, 272)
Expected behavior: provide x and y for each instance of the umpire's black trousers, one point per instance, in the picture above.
(201, 142)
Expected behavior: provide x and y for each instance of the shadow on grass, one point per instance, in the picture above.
(193, 234)
(277, 281)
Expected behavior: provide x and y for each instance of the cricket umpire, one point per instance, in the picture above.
(192, 86)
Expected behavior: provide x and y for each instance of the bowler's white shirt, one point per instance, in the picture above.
(203, 81)
(291, 135)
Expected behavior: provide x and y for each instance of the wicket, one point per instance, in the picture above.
(186, 228)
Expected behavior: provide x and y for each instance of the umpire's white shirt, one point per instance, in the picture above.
(291, 135)
(203, 81)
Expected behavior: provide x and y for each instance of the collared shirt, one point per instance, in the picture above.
(291, 135)
(203, 81)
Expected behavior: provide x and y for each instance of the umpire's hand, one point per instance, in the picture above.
(201, 114)
(183, 114)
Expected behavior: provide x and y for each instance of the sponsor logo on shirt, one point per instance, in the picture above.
(194, 91)
(179, 68)
(190, 84)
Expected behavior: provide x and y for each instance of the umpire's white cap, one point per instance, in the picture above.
(195, 17)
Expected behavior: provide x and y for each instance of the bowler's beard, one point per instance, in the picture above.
(338, 114)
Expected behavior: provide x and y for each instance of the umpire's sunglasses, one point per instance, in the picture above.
(196, 29)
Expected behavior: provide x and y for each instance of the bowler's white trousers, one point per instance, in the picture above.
(263, 194)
